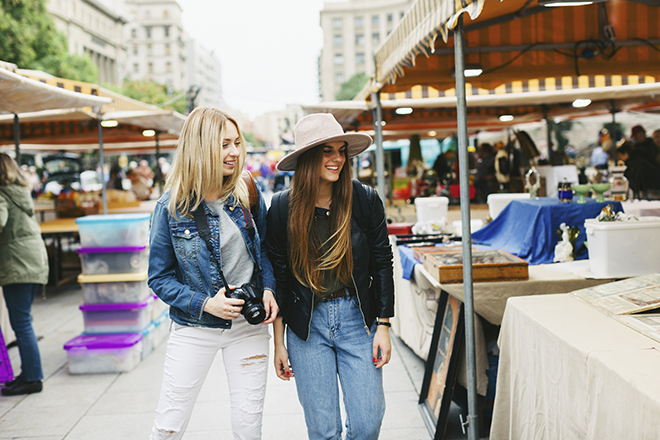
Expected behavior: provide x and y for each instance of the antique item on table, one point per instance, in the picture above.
(419, 252)
(607, 214)
(442, 365)
(495, 265)
(565, 192)
(600, 188)
(581, 190)
(566, 250)
(533, 188)
(618, 184)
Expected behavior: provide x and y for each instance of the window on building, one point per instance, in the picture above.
(166, 13)
(375, 19)
(359, 58)
(135, 49)
(375, 38)
(169, 66)
(151, 67)
(359, 22)
(337, 23)
(167, 49)
(390, 18)
(133, 33)
(339, 59)
(339, 78)
(401, 15)
(338, 40)
(150, 49)
(136, 68)
(147, 30)
(359, 39)
(166, 29)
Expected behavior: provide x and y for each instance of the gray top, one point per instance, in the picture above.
(237, 264)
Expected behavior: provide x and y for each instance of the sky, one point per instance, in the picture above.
(268, 49)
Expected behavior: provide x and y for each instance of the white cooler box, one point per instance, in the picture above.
(431, 208)
(623, 249)
(497, 202)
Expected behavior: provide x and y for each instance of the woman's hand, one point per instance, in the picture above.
(223, 307)
(282, 367)
(271, 307)
(382, 342)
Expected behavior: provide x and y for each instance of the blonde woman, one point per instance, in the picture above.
(23, 268)
(328, 241)
(205, 182)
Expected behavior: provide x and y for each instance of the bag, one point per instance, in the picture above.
(252, 191)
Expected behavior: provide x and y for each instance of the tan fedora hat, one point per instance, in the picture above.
(317, 129)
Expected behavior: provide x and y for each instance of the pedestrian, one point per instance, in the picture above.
(23, 268)
(206, 206)
(335, 286)
(139, 186)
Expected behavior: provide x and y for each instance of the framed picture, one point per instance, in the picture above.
(442, 365)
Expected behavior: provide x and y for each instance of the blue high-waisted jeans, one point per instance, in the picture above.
(338, 346)
(19, 298)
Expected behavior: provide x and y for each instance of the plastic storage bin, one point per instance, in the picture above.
(103, 261)
(431, 208)
(118, 288)
(104, 353)
(117, 318)
(497, 202)
(158, 308)
(154, 334)
(114, 230)
(623, 249)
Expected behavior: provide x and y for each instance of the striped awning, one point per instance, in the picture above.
(519, 40)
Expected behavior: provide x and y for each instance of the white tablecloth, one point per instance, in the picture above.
(568, 371)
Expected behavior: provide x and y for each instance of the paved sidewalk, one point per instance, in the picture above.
(122, 406)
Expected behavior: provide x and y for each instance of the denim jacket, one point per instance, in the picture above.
(180, 270)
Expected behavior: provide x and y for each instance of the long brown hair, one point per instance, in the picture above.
(10, 173)
(197, 166)
(308, 262)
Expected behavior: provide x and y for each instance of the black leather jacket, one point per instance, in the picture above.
(373, 274)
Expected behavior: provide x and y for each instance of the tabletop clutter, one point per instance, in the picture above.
(123, 320)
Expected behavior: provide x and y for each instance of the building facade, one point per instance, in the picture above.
(204, 73)
(155, 40)
(95, 28)
(352, 30)
(275, 129)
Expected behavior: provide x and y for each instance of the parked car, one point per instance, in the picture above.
(64, 170)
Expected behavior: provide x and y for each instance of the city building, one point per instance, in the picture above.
(203, 75)
(93, 27)
(155, 41)
(352, 30)
(275, 129)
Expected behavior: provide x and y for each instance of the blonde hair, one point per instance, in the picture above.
(197, 166)
(309, 264)
(10, 173)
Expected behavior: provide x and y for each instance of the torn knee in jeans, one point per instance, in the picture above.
(252, 409)
(253, 360)
(162, 434)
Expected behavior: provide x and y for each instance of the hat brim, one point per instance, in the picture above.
(357, 143)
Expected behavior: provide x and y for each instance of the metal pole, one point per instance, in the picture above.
(461, 107)
(101, 165)
(613, 110)
(548, 131)
(378, 129)
(17, 140)
(160, 178)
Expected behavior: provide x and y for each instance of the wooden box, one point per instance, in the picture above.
(419, 252)
(496, 265)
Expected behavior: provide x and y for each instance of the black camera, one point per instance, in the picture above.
(253, 309)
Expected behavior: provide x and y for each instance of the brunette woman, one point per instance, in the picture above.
(328, 241)
(204, 188)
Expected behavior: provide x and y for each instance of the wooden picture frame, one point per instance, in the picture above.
(442, 365)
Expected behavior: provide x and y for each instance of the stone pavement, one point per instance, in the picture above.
(122, 406)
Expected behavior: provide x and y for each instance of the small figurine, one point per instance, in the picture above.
(533, 188)
(566, 248)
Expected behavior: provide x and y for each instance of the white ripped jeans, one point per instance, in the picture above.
(190, 353)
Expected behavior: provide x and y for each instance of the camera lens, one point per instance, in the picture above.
(255, 314)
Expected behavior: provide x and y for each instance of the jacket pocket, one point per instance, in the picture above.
(185, 239)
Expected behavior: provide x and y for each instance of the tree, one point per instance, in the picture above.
(250, 138)
(151, 93)
(31, 41)
(352, 87)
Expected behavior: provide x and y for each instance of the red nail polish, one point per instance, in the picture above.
(287, 373)
(374, 359)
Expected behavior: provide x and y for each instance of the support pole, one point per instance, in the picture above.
(17, 140)
(378, 129)
(548, 131)
(461, 112)
(158, 172)
(101, 165)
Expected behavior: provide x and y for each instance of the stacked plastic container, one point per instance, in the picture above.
(124, 320)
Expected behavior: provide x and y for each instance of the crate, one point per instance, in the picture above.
(114, 230)
(431, 208)
(118, 353)
(117, 288)
(496, 265)
(117, 318)
(623, 249)
(114, 260)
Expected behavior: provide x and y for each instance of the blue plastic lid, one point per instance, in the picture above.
(113, 218)
(115, 306)
(102, 250)
(117, 340)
